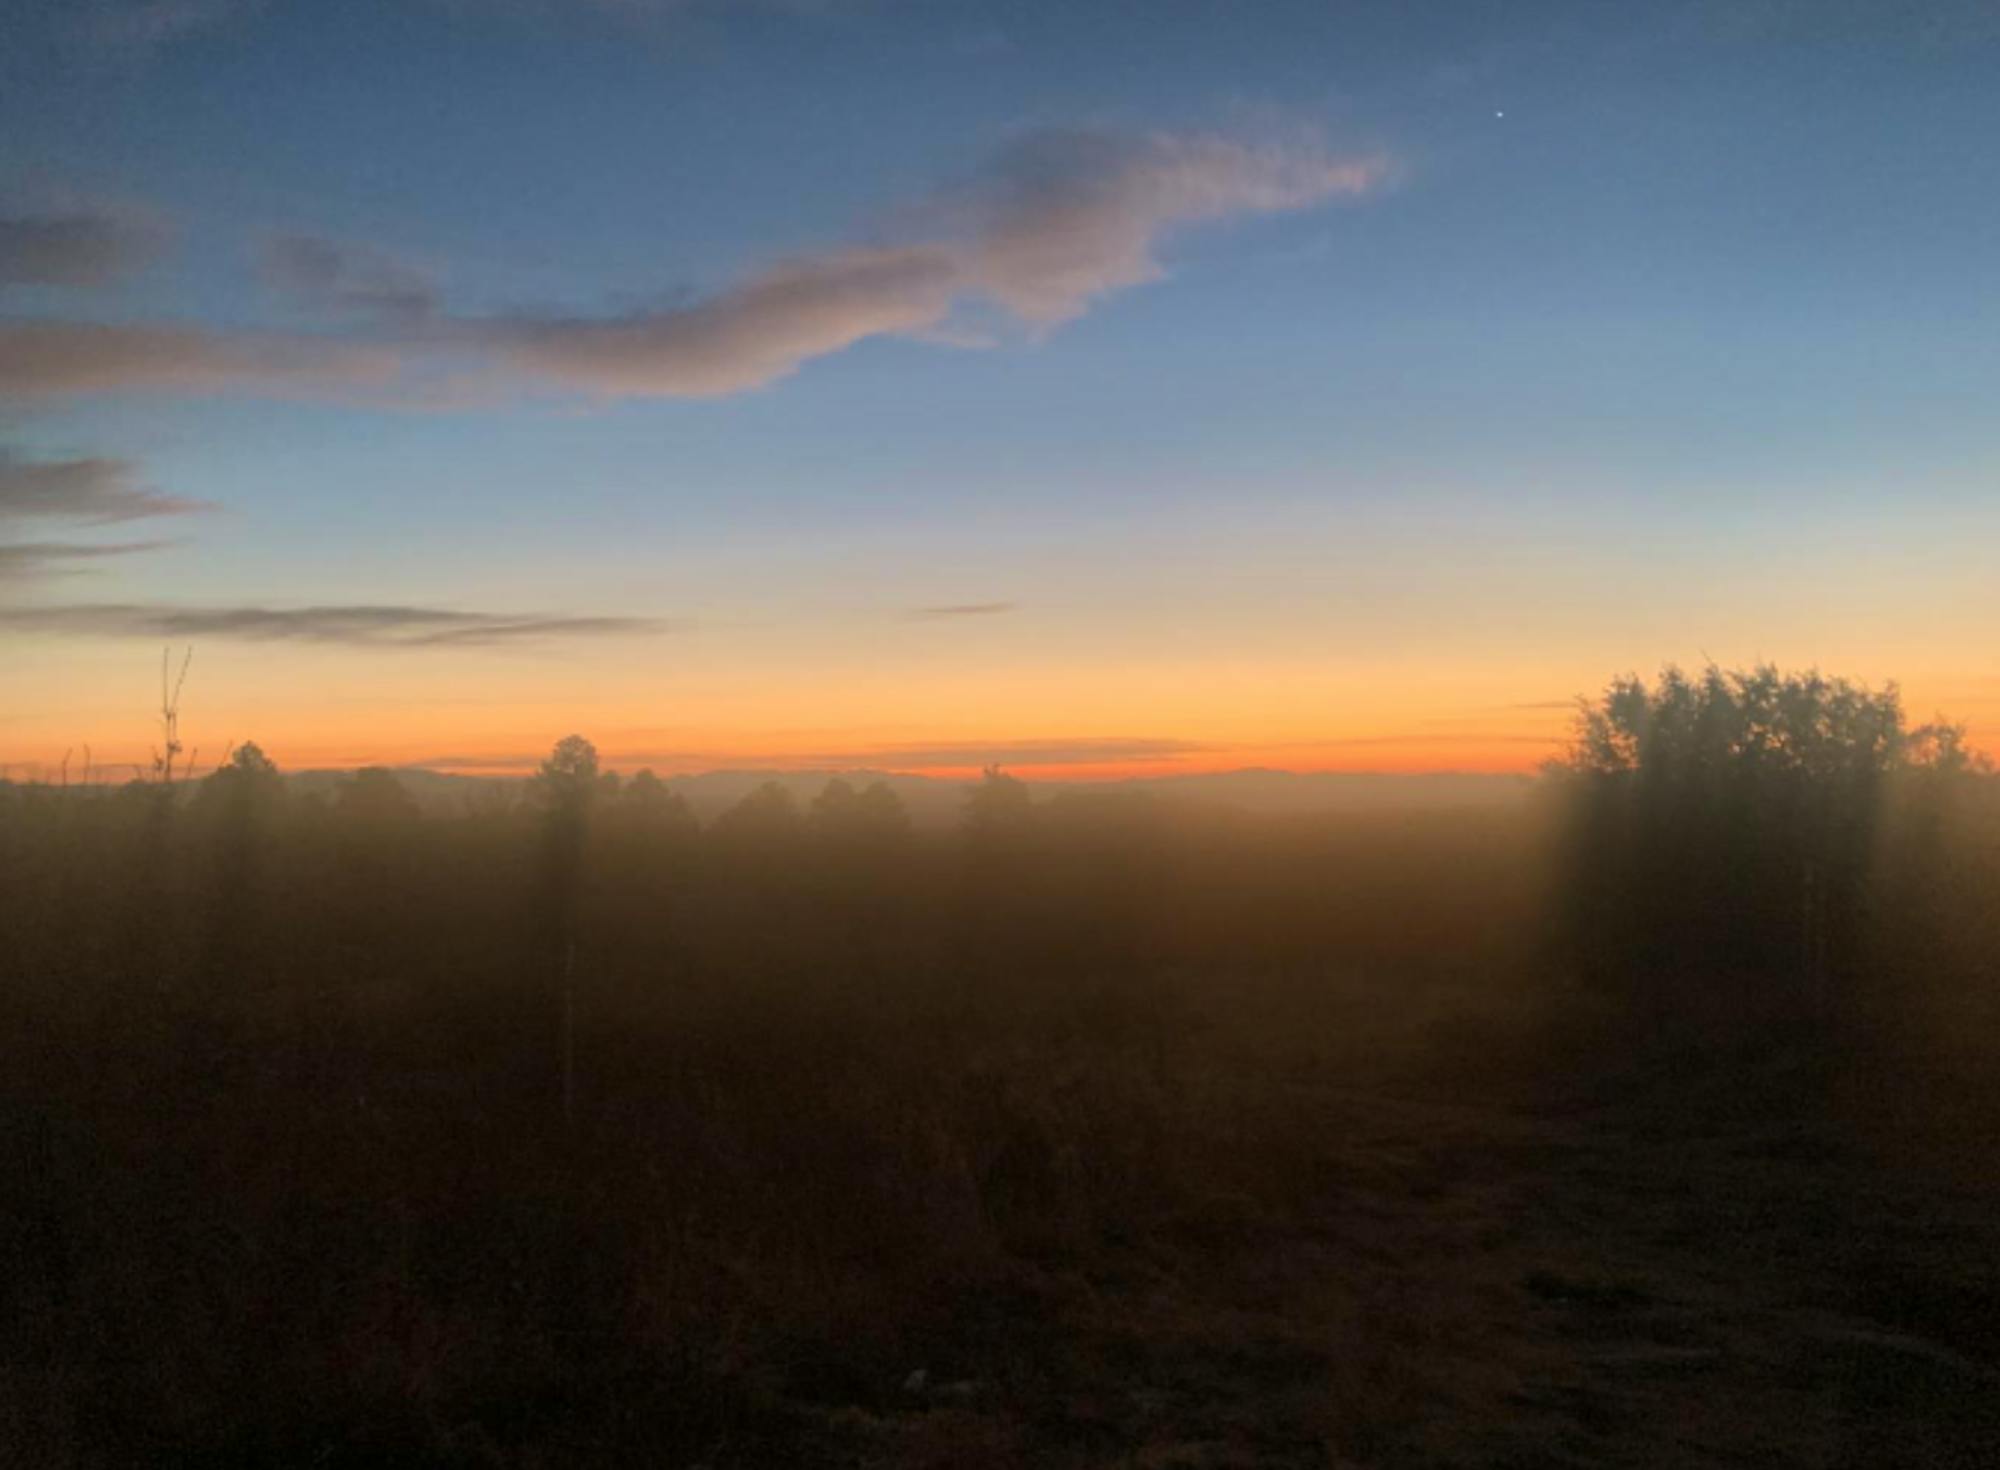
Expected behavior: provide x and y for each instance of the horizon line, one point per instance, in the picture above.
(1053, 775)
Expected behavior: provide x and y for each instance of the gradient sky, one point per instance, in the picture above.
(1097, 387)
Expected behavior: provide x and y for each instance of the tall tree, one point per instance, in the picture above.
(1726, 822)
(566, 785)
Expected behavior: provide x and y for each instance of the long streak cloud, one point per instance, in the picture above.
(48, 359)
(371, 625)
(1053, 223)
(97, 490)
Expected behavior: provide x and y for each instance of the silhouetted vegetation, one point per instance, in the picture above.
(1762, 829)
(567, 1130)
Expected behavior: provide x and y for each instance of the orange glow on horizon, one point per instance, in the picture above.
(1044, 722)
(1415, 755)
(513, 747)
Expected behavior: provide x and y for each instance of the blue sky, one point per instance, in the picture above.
(1585, 325)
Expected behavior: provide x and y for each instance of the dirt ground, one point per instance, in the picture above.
(1670, 1278)
(1433, 1255)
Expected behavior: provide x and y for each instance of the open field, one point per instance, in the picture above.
(1098, 1131)
(1321, 1225)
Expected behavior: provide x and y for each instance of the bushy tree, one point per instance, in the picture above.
(1726, 822)
(248, 782)
(871, 818)
(568, 779)
(767, 819)
(882, 809)
(238, 809)
(373, 797)
(566, 785)
(999, 810)
(650, 806)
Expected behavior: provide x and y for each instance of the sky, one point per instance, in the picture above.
(1100, 388)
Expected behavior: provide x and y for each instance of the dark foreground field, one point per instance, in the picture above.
(1099, 1135)
(1400, 1245)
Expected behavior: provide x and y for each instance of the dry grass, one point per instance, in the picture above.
(948, 1188)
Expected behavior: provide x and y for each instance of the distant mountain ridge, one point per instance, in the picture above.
(936, 801)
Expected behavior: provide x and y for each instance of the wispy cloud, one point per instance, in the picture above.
(78, 248)
(959, 610)
(376, 626)
(1053, 223)
(23, 560)
(645, 12)
(1063, 217)
(41, 359)
(744, 338)
(142, 25)
(328, 275)
(96, 490)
